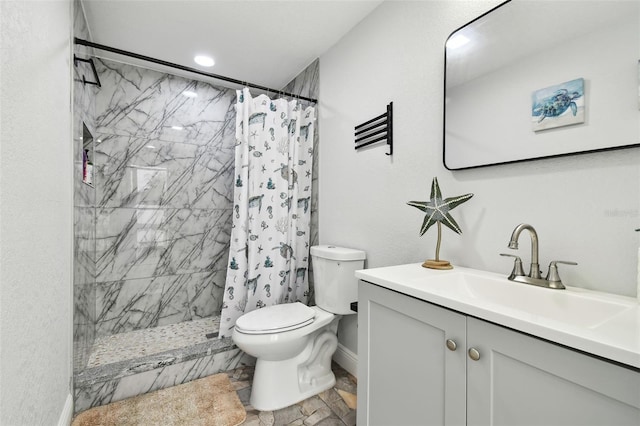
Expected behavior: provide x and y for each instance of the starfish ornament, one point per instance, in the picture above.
(437, 211)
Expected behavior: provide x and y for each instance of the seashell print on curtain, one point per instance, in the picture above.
(269, 253)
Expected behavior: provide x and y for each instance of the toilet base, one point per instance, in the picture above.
(279, 384)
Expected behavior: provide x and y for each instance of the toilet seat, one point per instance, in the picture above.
(275, 319)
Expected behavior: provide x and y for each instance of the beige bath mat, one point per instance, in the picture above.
(210, 401)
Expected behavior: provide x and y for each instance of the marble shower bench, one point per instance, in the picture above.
(129, 364)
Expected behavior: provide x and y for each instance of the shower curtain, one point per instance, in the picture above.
(269, 253)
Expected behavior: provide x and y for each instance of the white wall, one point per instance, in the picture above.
(36, 215)
(585, 208)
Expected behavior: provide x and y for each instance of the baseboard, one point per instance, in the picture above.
(346, 359)
(67, 412)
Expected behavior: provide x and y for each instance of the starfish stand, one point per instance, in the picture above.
(437, 211)
(437, 263)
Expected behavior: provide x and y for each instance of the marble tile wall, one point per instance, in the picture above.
(164, 167)
(157, 226)
(307, 84)
(84, 291)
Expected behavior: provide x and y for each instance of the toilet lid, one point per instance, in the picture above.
(277, 318)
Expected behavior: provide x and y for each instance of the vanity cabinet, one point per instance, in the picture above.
(421, 364)
(406, 374)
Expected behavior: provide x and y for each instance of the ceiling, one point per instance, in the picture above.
(258, 41)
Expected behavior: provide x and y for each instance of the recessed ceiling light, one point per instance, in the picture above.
(190, 94)
(150, 147)
(205, 61)
(457, 41)
(177, 127)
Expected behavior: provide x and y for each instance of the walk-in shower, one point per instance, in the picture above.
(152, 231)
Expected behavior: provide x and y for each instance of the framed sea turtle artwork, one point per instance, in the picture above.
(557, 106)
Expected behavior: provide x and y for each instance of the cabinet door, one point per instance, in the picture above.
(523, 380)
(406, 373)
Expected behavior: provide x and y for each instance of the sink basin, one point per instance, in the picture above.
(571, 306)
(603, 324)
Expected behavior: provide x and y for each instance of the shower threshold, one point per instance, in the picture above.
(137, 362)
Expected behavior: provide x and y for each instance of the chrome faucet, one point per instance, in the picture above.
(552, 280)
(534, 271)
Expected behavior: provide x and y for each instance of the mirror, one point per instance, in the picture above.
(538, 79)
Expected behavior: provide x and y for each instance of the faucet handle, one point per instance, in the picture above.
(518, 270)
(553, 277)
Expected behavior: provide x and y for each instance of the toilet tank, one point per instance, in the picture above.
(334, 278)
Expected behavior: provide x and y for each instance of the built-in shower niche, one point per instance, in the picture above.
(87, 156)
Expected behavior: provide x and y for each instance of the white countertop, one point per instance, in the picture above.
(616, 338)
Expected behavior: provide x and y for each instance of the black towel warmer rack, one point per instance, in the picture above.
(375, 130)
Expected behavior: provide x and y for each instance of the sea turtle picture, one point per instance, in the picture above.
(559, 105)
(556, 105)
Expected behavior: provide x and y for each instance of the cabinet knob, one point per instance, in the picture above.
(451, 345)
(474, 354)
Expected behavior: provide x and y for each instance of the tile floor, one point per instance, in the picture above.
(334, 407)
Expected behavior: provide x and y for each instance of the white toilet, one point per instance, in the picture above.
(293, 343)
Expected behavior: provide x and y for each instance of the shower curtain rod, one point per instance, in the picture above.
(189, 69)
